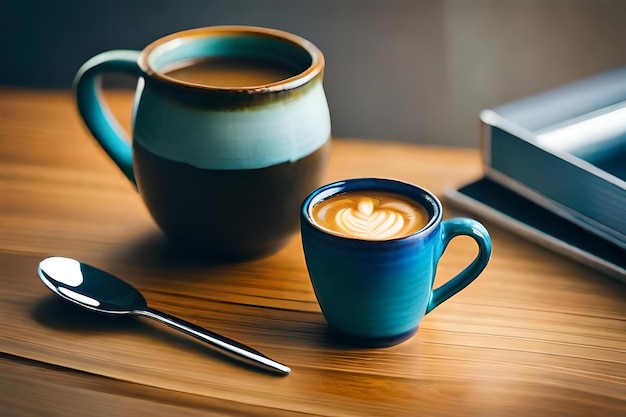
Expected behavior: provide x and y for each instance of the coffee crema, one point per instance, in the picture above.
(228, 72)
(369, 215)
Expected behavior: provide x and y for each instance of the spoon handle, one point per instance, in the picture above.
(225, 345)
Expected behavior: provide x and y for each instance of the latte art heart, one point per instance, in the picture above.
(370, 215)
(367, 221)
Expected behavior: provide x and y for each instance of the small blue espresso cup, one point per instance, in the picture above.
(375, 292)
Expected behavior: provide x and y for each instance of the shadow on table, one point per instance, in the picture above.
(155, 250)
(59, 314)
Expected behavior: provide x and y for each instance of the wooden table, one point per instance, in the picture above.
(536, 334)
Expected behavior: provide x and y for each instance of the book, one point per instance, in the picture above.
(565, 151)
(490, 200)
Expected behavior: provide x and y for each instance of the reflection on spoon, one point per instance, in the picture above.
(98, 290)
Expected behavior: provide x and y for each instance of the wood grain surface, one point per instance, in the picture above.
(535, 334)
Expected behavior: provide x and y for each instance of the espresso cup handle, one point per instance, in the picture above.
(94, 110)
(450, 229)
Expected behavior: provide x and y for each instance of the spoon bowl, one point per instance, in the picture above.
(98, 290)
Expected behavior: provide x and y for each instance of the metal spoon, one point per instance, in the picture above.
(98, 290)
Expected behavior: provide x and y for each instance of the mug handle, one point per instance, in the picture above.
(94, 110)
(450, 229)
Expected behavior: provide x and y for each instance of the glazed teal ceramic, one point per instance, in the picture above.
(223, 169)
(375, 293)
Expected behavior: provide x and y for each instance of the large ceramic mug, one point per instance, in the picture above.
(230, 132)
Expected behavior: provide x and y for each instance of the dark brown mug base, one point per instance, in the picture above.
(231, 214)
(369, 342)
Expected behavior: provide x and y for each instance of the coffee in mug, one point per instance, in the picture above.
(225, 72)
(369, 215)
(231, 130)
(372, 247)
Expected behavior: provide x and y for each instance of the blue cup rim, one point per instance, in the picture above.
(428, 200)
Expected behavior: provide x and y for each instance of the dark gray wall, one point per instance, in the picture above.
(406, 70)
